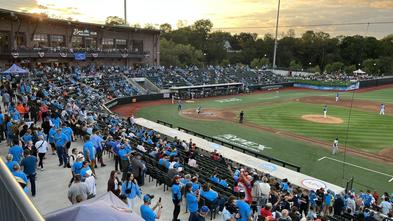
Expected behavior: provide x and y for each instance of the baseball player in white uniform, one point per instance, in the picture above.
(382, 109)
(325, 108)
(335, 146)
(337, 97)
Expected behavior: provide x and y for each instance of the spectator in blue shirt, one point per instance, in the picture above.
(60, 140)
(124, 154)
(10, 162)
(212, 196)
(70, 134)
(89, 152)
(244, 208)
(21, 177)
(148, 213)
(29, 164)
(192, 202)
(214, 178)
(1, 126)
(84, 169)
(51, 139)
(131, 189)
(223, 183)
(16, 151)
(76, 167)
(26, 137)
(114, 147)
(176, 197)
(97, 142)
(195, 184)
(56, 121)
(9, 132)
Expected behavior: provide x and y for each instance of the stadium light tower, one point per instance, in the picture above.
(275, 40)
(125, 12)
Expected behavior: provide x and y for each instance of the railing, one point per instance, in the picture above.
(69, 53)
(243, 150)
(165, 123)
(14, 203)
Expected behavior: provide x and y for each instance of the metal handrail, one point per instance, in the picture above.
(24, 206)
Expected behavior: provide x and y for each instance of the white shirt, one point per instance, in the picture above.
(141, 148)
(264, 188)
(91, 185)
(192, 163)
(41, 146)
(385, 207)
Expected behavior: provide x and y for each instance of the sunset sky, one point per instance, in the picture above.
(227, 13)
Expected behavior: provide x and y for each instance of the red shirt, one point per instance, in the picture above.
(265, 213)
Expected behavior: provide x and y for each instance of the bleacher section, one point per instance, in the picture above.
(279, 172)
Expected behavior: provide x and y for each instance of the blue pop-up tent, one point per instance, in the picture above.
(15, 70)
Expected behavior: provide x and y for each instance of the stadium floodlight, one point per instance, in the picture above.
(275, 40)
(125, 12)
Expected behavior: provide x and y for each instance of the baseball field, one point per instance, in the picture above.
(288, 124)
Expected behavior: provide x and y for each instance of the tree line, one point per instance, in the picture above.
(197, 44)
(312, 51)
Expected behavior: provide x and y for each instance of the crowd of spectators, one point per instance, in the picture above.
(166, 77)
(47, 113)
(342, 77)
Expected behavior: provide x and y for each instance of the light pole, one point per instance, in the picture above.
(125, 12)
(275, 40)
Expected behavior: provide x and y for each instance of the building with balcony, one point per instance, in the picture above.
(33, 39)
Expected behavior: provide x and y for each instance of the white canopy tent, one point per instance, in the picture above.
(359, 71)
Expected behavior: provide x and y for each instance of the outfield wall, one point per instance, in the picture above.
(351, 87)
(134, 99)
(376, 82)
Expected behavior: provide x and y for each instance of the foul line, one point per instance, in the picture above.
(360, 167)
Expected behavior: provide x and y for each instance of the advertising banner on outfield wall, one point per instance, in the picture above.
(351, 87)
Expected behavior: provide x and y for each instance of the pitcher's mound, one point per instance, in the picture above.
(320, 119)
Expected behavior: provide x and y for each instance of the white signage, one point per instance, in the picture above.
(313, 184)
(229, 100)
(86, 33)
(249, 145)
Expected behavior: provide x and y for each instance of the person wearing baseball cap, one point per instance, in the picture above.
(148, 213)
(202, 214)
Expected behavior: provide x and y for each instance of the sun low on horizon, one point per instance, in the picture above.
(256, 16)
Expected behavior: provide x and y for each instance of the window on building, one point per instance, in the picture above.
(20, 40)
(77, 42)
(40, 40)
(137, 46)
(91, 43)
(4, 42)
(57, 41)
(107, 43)
(121, 43)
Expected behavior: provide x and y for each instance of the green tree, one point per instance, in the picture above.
(335, 67)
(295, 65)
(372, 66)
(350, 69)
(149, 26)
(114, 20)
(166, 27)
(259, 62)
(179, 54)
(314, 69)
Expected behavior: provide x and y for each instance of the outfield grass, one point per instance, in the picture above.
(368, 131)
(296, 152)
(382, 95)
